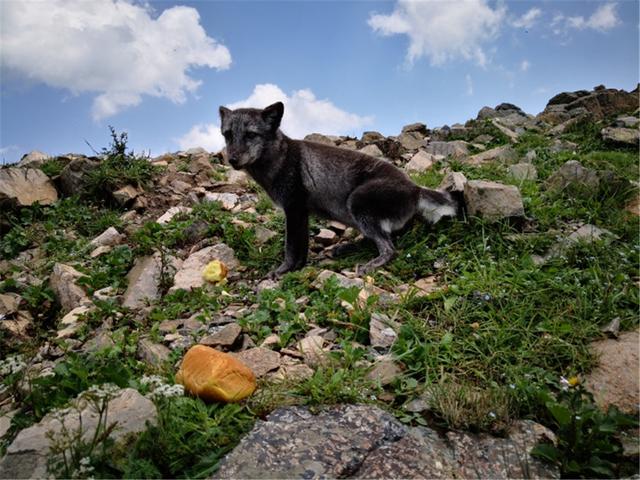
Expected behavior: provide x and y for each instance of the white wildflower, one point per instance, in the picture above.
(167, 391)
(12, 365)
(492, 415)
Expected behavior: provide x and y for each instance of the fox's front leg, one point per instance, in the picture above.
(296, 240)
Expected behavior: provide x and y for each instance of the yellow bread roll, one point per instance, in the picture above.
(216, 376)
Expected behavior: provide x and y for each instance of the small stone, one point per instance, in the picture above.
(263, 235)
(420, 162)
(612, 329)
(337, 226)
(272, 340)
(326, 237)
(154, 354)
(530, 156)
(523, 171)
(22, 187)
(72, 321)
(572, 174)
(126, 195)
(293, 373)
(372, 150)
(384, 371)
(493, 200)
(311, 350)
(100, 251)
(267, 284)
(226, 337)
(227, 200)
(109, 238)
(616, 379)
(382, 331)
(9, 303)
(260, 360)
(144, 282)
(63, 283)
(238, 177)
(453, 182)
(589, 233)
(172, 212)
(503, 154)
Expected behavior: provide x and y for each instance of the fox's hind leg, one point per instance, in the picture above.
(378, 209)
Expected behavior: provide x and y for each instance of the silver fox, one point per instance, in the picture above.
(304, 178)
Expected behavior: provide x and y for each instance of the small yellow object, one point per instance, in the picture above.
(475, 325)
(573, 381)
(215, 272)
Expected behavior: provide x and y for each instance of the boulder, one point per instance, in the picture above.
(21, 187)
(72, 321)
(33, 159)
(523, 171)
(372, 150)
(573, 176)
(26, 456)
(326, 237)
(63, 283)
(109, 238)
(453, 182)
(152, 353)
(126, 195)
(503, 154)
(382, 331)
(371, 137)
(225, 337)
(73, 178)
(492, 200)
(615, 380)
(319, 138)
(598, 104)
(455, 149)
(260, 360)
(189, 276)
(361, 441)
(143, 282)
(411, 140)
(420, 162)
(417, 127)
(626, 136)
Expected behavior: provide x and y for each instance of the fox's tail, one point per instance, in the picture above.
(435, 204)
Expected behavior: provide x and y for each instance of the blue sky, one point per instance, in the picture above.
(159, 70)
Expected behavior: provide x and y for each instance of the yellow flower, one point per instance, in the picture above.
(573, 381)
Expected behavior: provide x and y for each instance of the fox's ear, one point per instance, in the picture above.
(273, 114)
(224, 111)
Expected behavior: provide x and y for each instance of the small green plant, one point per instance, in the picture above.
(52, 167)
(117, 169)
(587, 446)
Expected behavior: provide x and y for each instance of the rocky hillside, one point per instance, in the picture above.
(502, 344)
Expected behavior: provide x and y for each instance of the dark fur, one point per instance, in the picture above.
(310, 178)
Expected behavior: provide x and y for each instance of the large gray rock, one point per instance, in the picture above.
(420, 162)
(33, 159)
(360, 441)
(152, 353)
(260, 360)
(572, 175)
(63, 283)
(455, 149)
(503, 154)
(189, 276)
(492, 200)
(523, 171)
(73, 178)
(21, 187)
(411, 140)
(627, 136)
(144, 282)
(615, 380)
(26, 457)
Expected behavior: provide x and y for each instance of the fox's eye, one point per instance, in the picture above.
(228, 136)
(251, 135)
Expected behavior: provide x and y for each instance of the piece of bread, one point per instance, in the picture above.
(215, 376)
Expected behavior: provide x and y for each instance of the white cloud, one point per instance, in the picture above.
(469, 82)
(528, 19)
(604, 18)
(442, 31)
(117, 50)
(303, 114)
(524, 65)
